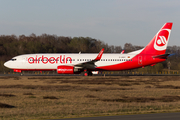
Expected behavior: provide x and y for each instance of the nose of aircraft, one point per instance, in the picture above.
(6, 64)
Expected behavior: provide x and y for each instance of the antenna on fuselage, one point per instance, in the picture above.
(80, 52)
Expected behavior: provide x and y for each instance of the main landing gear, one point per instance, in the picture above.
(88, 73)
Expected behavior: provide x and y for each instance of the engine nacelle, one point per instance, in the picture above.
(65, 69)
(17, 70)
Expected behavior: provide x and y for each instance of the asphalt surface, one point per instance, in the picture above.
(18, 74)
(157, 116)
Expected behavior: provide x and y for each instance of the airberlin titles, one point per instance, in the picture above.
(61, 59)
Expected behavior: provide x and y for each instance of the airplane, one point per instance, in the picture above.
(77, 63)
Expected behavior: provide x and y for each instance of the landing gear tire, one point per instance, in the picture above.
(88, 73)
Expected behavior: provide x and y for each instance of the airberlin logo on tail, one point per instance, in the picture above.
(161, 39)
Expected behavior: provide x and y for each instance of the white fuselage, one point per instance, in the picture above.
(34, 61)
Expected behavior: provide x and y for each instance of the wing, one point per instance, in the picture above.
(90, 64)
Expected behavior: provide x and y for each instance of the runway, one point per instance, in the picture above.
(157, 116)
(18, 74)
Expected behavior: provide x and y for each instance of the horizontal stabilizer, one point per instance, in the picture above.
(163, 56)
(171, 54)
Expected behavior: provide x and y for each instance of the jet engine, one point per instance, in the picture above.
(63, 69)
(17, 70)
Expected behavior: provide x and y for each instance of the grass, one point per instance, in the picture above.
(3, 105)
(62, 97)
(50, 97)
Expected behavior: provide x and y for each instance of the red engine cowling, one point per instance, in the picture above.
(17, 70)
(65, 69)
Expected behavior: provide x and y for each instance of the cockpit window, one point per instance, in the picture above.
(13, 59)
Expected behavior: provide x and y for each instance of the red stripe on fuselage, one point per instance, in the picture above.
(35, 69)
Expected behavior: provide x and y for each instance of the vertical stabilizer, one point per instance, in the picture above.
(158, 44)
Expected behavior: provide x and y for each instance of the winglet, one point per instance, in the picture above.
(122, 51)
(99, 55)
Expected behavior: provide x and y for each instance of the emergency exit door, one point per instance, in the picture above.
(139, 60)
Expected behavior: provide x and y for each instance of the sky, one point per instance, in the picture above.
(114, 22)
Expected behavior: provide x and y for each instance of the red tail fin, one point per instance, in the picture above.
(158, 44)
